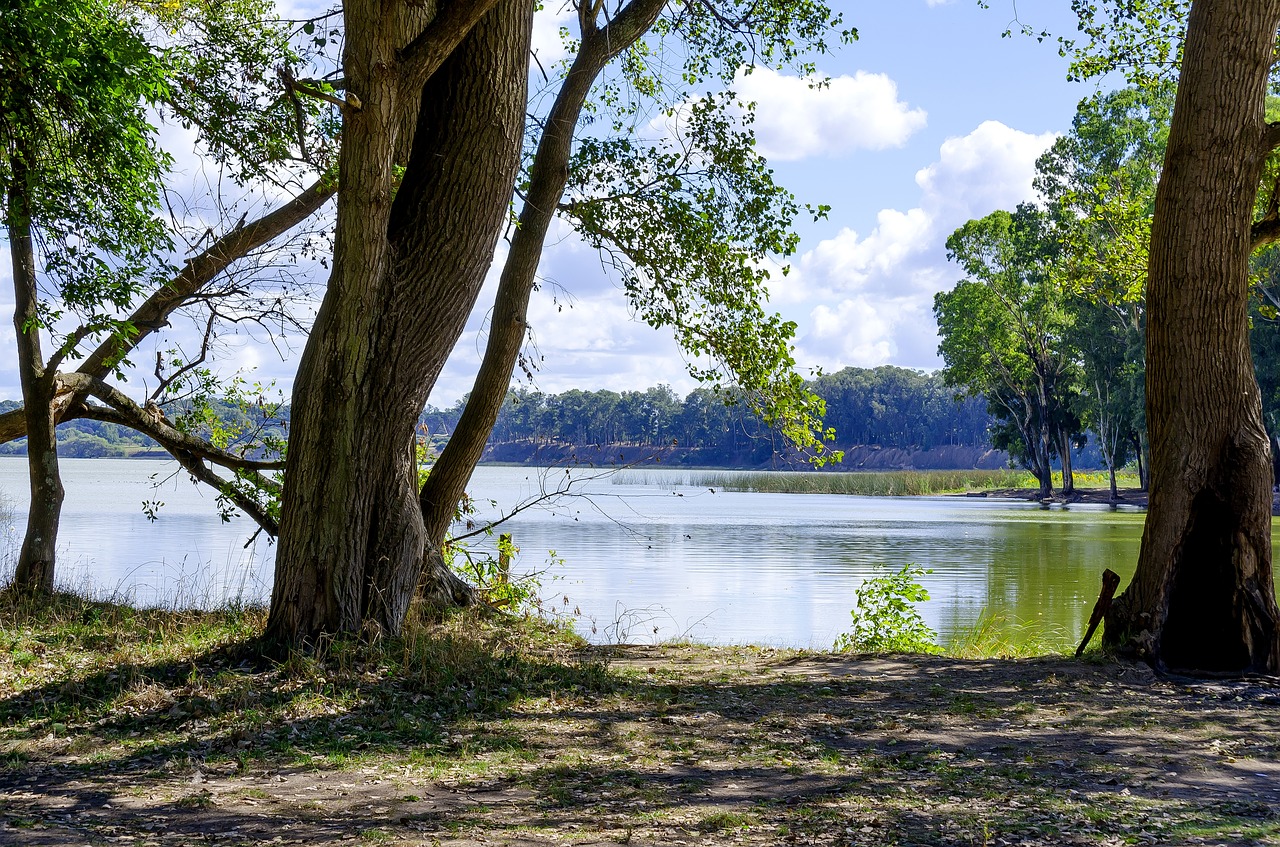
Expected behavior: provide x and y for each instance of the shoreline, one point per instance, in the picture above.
(1133, 497)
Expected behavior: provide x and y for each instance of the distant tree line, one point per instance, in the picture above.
(886, 406)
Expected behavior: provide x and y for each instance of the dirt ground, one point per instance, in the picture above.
(695, 745)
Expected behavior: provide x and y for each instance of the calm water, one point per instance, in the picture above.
(646, 555)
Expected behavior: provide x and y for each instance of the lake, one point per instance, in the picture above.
(645, 555)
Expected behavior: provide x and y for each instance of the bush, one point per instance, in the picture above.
(885, 619)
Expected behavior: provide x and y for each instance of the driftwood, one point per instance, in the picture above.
(1110, 581)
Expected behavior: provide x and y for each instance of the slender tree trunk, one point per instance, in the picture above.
(1139, 451)
(1043, 452)
(1068, 478)
(35, 571)
(1202, 598)
(405, 277)
(452, 470)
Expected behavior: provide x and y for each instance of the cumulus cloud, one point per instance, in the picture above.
(796, 119)
(990, 168)
(876, 291)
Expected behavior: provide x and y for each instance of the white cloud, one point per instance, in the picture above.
(547, 44)
(796, 119)
(990, 168)
(854, 331)
(876, 291)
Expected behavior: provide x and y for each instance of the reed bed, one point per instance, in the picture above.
(881, 484)
(869, 483)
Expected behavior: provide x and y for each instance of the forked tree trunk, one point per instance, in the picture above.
(547, 179)
(35, 570)
(406, 275)
(1202, 598)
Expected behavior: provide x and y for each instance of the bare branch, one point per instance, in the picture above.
(150, 420)
(203, 269)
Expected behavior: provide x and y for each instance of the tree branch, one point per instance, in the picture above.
(150, 420)
(203, 269)
(423, 56)
(1266, 231)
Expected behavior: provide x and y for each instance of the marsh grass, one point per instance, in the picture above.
(881, 484)
(996, 636)
(875, 483)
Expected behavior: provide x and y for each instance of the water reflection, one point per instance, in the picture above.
(654, 553)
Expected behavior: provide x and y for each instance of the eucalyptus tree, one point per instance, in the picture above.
(1202, 596)
(1004, 332)
(1102, 176)
(82, 179)
(356, 534)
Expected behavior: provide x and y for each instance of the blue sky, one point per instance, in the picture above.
(932, 118)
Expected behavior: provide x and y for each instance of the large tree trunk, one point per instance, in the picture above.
(406, 275)
(1202, 598)
(547, 179)
(35, 571)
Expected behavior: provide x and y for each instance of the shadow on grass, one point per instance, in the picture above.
(514, 730)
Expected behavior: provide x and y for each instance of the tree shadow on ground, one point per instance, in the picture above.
(656, 745)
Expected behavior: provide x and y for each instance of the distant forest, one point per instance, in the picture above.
(886, 408)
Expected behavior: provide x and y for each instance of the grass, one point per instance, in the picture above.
(999, 637)
(876, 483)
(494, 728)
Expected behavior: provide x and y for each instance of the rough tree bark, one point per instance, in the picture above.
(36, 560)
(1202, 598)
(547, 179)
(408, 266)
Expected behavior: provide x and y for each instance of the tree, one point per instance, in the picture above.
(80, 185)
(430, 144)
(1004, 333)
(353, 539)
(687, 222)
(1102, 177)
(79, 177)
(1202, 597)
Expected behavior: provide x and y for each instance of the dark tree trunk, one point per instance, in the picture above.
(35, 570)
(406, 275)
(1139, 446)
(1202, 598)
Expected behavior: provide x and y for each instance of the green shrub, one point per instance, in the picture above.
(885, 619)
